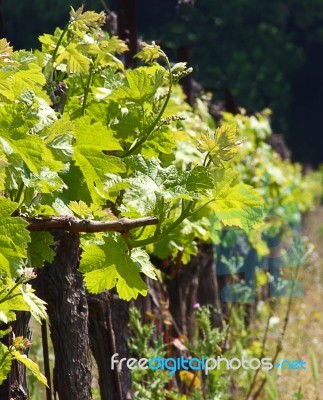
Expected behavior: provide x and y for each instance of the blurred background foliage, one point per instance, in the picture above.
(266, 54)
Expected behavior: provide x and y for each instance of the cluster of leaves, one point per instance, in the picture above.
(287, 191)
(81, 136)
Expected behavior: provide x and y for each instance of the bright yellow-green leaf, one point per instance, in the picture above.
(14, 238)
(40, 248)
(221, 145)
(238, 206)
(5, 52)
(5, 362)
(3, 165)
(141, 84)
(92, 142)
(109, 265)
(30, 365)
(76, 62)
(36, 305)
(149, 52)
(82, 21)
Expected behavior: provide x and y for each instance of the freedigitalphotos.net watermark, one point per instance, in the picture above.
(205, 364)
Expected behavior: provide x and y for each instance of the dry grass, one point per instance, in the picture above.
(305, 329)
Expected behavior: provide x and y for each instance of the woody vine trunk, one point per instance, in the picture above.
(63, 289)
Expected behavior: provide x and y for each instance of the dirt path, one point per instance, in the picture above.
(304, 335)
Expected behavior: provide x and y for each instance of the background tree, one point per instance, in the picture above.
(268, 54)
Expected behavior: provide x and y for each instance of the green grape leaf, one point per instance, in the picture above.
(36, 305)
(222, 146)
(45, 114)
(5, 332)
(109, 265)
(183, 239)
(49, 42)
(11, 299)
(6, 85)
(238, 206)
(76, 62)
(30, 365)
(42, 167)
(149, 185)
(62, 126)
(95, 135)
(61, 147)
(125, 121)
(149, 52)
(5, 362)
(199, 179)
(92, 141)
(94, 165)
(141, 258)
(35, 154)
(161, 141)
(10, 315)
(82, 21)
(3, 165)
(14, 238)
(3, 317)
(39, 249)
(81, 209)
(128, 292)
(15, 81)
(141, 84)
(101, 279)
(30, 73)
(59, 138)
(15, 121)
(114, 185)
(29, 147)
(76, 186)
